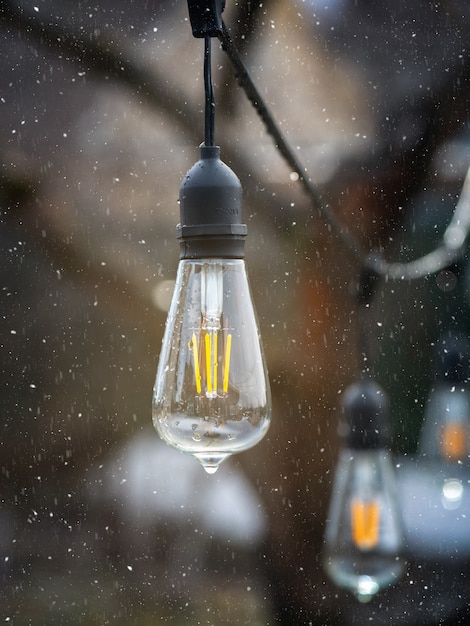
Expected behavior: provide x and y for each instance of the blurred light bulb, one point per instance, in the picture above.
(363, 549)
(445, 434)
(211, 396)
(452, 493)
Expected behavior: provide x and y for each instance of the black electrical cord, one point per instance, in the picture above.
(452, 246)
(366, 288)
(254, 96)
(209, 94)
(453, 243)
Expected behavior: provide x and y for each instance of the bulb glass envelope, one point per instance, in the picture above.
(364, 536)
(364, 543)
(445, 435)
(446, 429)
(211, 396)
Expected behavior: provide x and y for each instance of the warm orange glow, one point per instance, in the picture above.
(454, 441)
(209, 356)
(365, 518)
(215, 360)
(206, 360)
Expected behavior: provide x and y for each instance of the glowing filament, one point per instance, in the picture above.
(454, 441)
(209, 363)
(215, 362)
(197, 373)
(228, 347)
(365, 517)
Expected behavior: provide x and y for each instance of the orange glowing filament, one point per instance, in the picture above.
(205, 358)
(365, 518)
(454, 441)
(197, 373)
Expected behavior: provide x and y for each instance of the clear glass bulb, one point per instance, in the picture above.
(363, 549)
(445, 434)
(211, 397)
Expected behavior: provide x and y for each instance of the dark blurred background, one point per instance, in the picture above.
(101, 115)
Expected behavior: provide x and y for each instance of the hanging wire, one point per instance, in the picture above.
(209, 94)
(366, 287)
(450, 249)
(254, 96)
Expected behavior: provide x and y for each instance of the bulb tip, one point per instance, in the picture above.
(367, 587)
(211, 462)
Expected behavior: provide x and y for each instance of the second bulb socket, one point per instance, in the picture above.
(366, 416)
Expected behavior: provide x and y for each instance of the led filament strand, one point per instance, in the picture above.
(211, 361)
(206, 359)
(228, 348)
(197, 371)
(365, 523)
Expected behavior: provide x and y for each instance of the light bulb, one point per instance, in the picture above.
(445, 435)
(363, 549)
(211, 396)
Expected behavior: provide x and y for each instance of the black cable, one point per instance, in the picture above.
(254, 96)
(450, 250)
(209, 94)
(367, 285)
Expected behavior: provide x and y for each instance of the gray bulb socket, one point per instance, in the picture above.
(366, 416)
(211, 210)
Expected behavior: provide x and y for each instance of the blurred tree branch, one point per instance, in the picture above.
(388, 176)
(97, 53)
